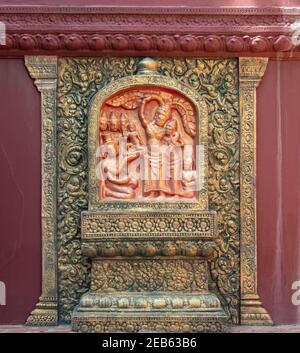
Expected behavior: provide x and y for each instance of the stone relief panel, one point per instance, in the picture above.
(147, 146)
(217, 82)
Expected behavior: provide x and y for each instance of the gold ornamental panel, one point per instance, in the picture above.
(223, 93)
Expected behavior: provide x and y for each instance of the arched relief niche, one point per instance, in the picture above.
(165, 118)
(151, 123)
(216, 231)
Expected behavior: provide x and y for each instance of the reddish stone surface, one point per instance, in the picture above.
(20, 239)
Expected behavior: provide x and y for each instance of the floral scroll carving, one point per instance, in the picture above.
(217, 82)
(78, 80)
(251, 73)
(149, 275)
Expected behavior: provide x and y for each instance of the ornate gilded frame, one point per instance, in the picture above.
(44, 71)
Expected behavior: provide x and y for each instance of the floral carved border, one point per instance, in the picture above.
(251, 71)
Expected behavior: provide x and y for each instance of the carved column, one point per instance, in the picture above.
(251, 73)
(43, 69)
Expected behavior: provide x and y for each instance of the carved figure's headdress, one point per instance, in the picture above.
(113, 119)
(103, 118)
(124, 120)
(165, 109)
(173, 123)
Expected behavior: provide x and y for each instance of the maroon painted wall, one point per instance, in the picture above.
(278, 196)
(278, 188)
(20, 234)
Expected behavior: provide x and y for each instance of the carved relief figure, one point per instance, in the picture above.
(115, 185)
(172, 135)
(155, 184)
(147, 131)
(133, 136)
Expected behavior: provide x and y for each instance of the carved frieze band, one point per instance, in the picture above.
(147, 323)
(251, 73)
(153, 30)
(44, 72)
(155, 225)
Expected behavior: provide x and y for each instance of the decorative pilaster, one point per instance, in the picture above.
(43, 69)
(251, 73)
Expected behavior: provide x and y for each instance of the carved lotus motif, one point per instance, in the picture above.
(189, 225)
(149, 276)
(176, 225)
(121, 226)
(128, 249)
(120, 276)
(177, 303)
(141, 303)
(159, 303)
(104, 302)
(195, 302)
(124, 303)
(169, 249)
(179, 275)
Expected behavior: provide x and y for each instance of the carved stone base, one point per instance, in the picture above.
(149, 321)
(154, 278)
(149, 312)
(44, 314)
(253, 313)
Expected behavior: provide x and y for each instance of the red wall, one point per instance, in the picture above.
(278, 188)
(278, 196)
(20, 240)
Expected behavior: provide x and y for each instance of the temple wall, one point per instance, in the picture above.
(278, 182)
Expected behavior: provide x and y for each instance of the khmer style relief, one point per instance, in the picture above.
(147, 146)
(160, 236)
(148, 153)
